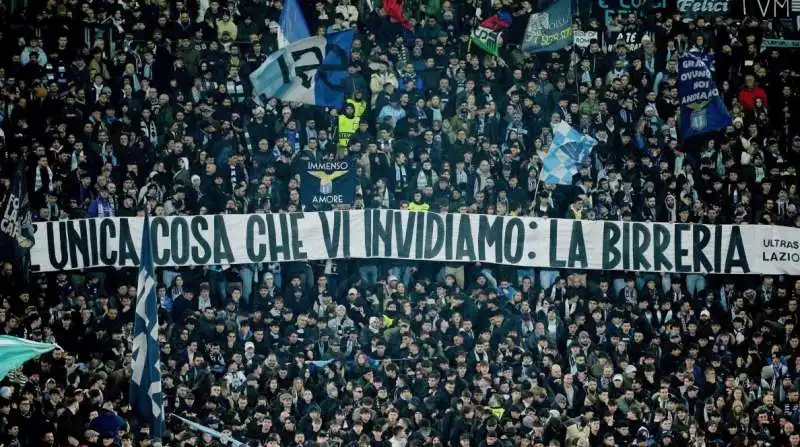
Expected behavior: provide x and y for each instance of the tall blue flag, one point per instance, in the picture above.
(702, 108)
(146, 398)
(309, 71)
(549, 30)
(569, 150)
(16, 351)
(292, 25)
(16, 224)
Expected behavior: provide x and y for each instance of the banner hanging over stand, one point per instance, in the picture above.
(394, 234)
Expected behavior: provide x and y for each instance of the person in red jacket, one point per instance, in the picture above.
(750, 92)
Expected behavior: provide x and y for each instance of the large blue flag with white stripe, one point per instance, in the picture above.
(309, 71)
(146, 398)
(569, 150)
(292, 25)
(16, 351)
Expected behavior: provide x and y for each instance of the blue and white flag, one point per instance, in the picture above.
(309, 71)
(292, 25)
(16, 351)
(223, 438)
(146, 398)
(567, 153)
(702, 108)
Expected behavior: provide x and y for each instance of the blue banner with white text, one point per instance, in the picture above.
(328, 182)
(702, 108)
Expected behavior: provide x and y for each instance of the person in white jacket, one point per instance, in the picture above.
(348, 11)
(340, 322)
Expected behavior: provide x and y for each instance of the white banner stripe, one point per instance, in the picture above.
(394, 234)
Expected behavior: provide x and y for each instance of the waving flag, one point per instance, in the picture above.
(498, 22)
(394, 9)
(223, 438)
(146, 398)
(292, 24)
(568, 151)
(702, 108)
(309, 71)
(487, 35)
(549, 30)
(16, 351)
(486, 39)
(16, 225)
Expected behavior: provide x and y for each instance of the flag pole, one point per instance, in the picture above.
(536, 190)
(224, 439)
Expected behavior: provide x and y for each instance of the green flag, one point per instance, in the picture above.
(486, 39)
(16, 351)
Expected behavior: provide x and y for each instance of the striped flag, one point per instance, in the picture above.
(146, 398)
(223, 438)
(16, 351)
(568, 151)
(292, 25)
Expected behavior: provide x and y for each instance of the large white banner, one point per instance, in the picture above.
(519, 241)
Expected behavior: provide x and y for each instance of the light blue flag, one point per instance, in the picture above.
(16, 351)
(292, 24)
(309, 71)
(223, 438)
(146, 398)
(567, 153)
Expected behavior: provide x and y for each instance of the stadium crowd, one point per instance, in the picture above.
(143, 107)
